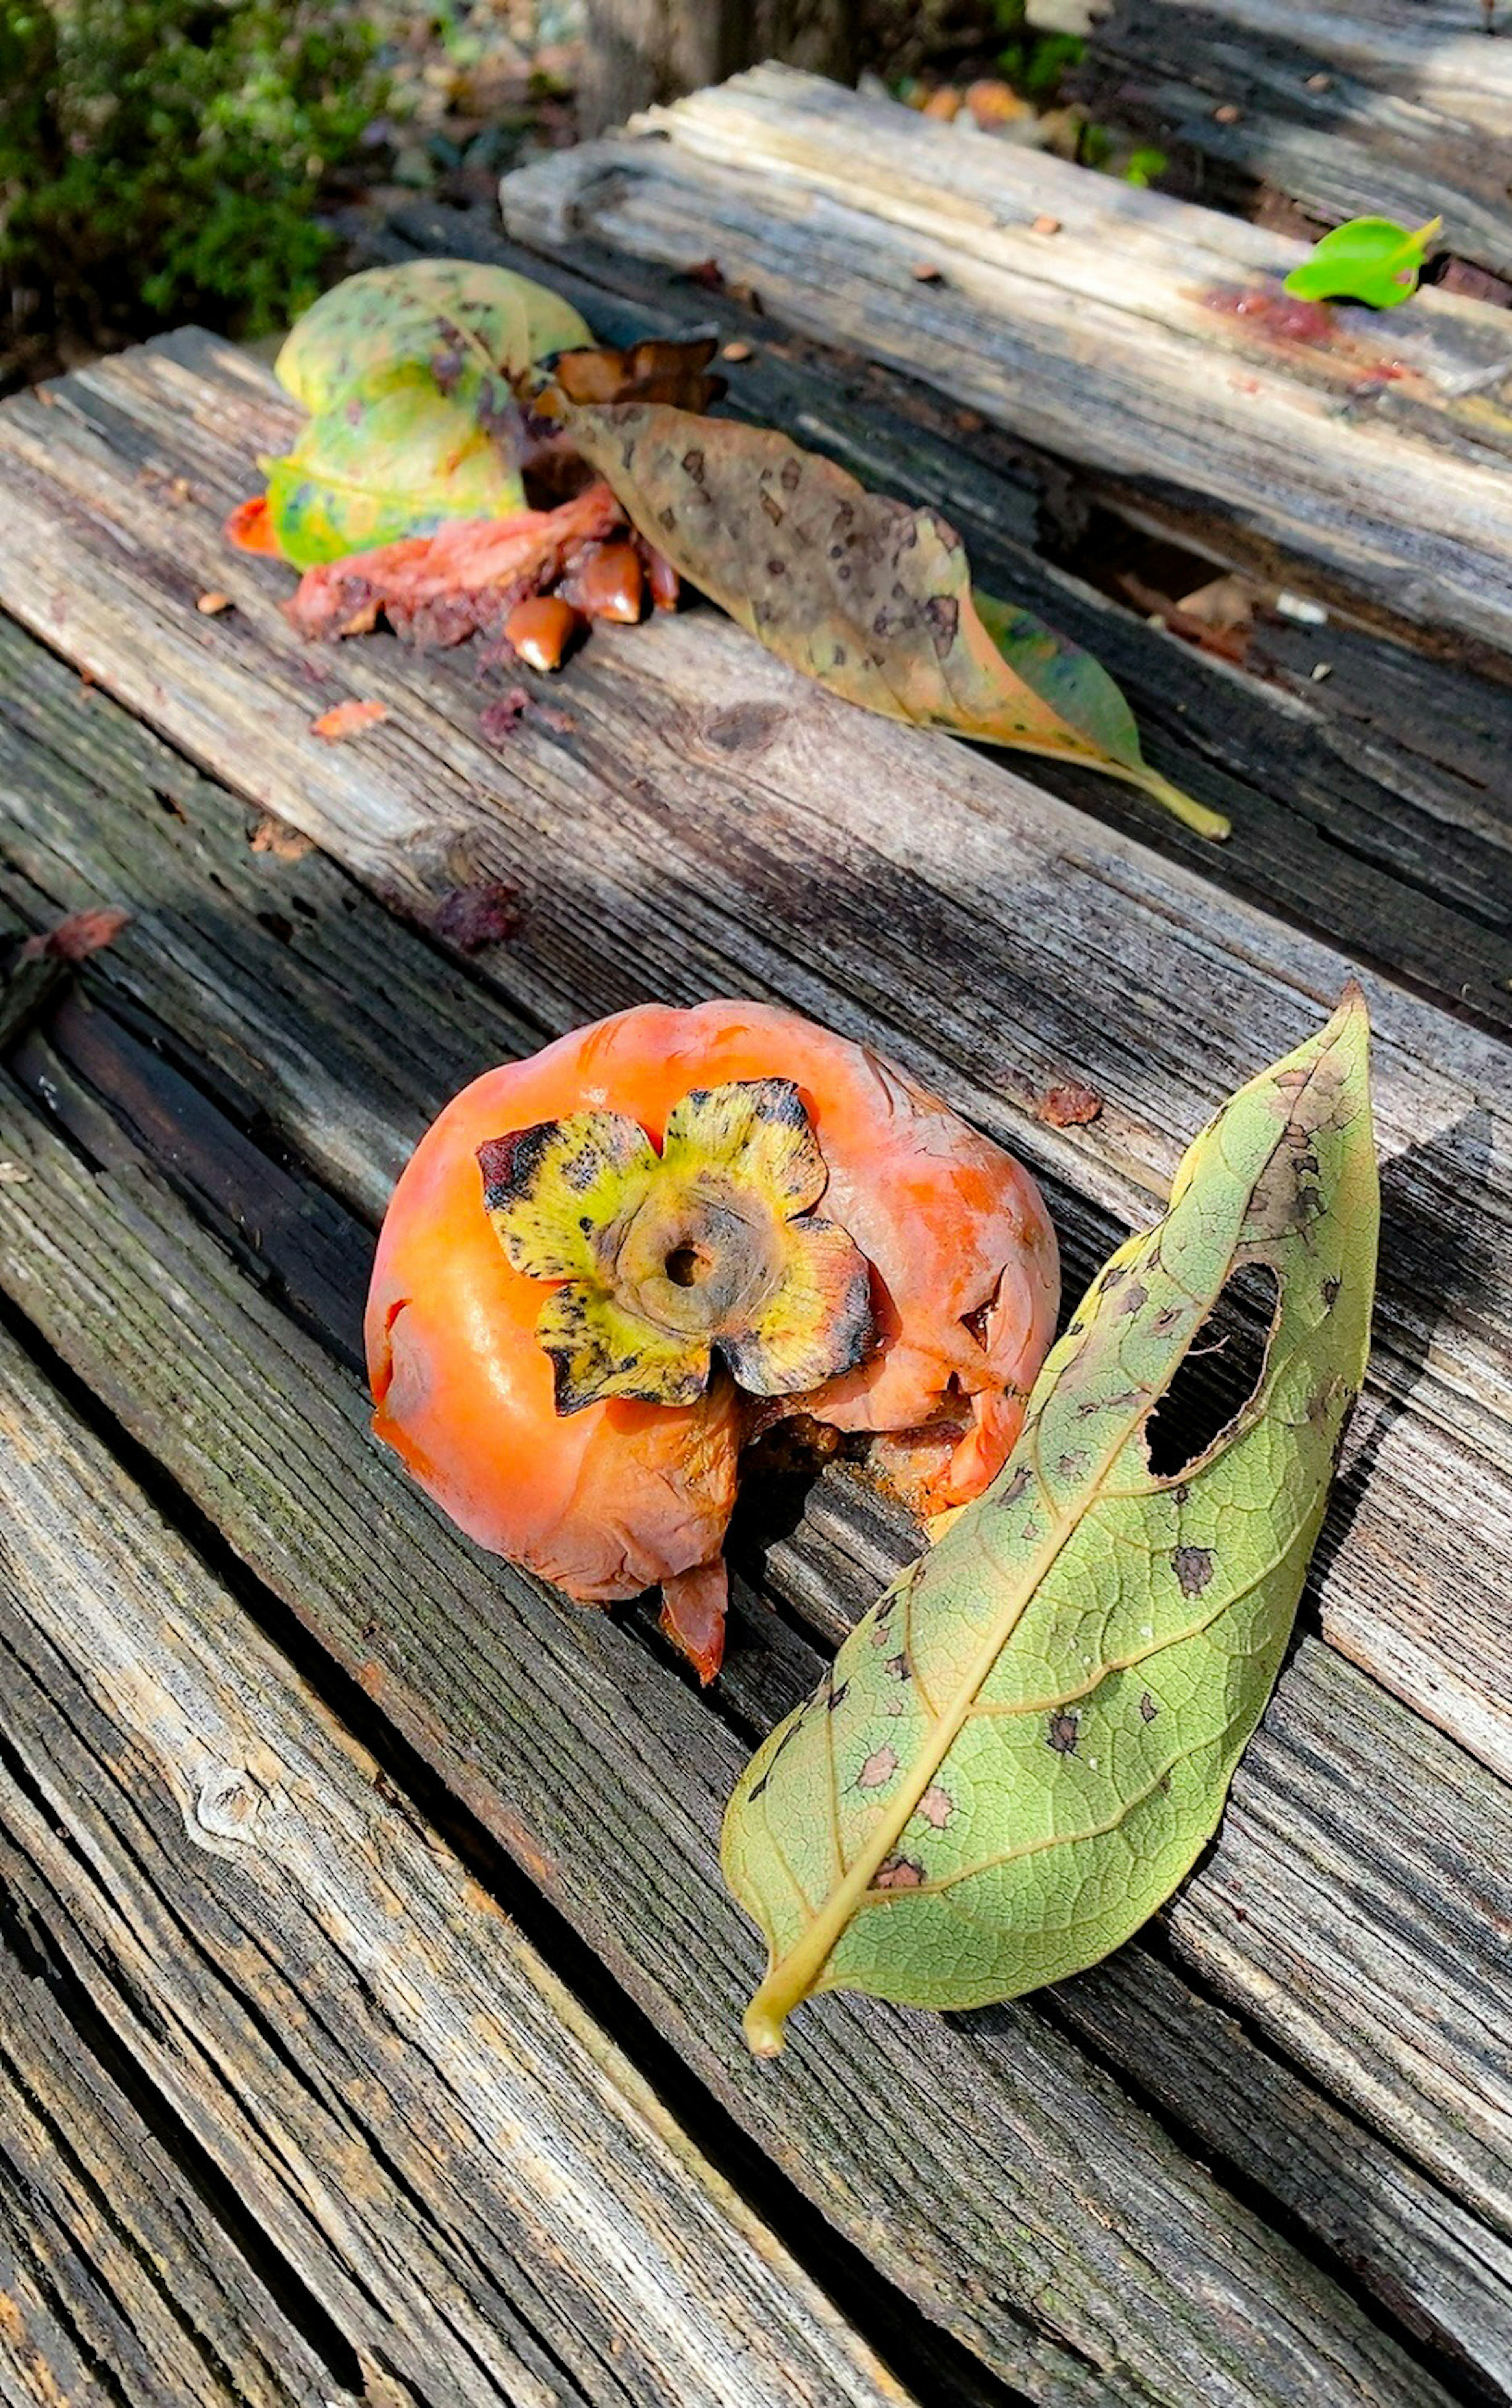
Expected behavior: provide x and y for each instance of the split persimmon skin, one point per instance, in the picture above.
(624, 1496)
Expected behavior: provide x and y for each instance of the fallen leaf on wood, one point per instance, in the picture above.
(866, 595)
(440, 588)
(348, 719)
(409, 374)
(1026, 1743)
(1068, 1106)
(81, 933)
(1370, 259)
(276, 837)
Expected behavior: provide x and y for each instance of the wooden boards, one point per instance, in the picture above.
(1019, 2183)
(1117, 341)
(1350, 110)
(254, 2010)
(995, 938)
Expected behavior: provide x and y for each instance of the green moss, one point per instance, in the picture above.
(162, 159)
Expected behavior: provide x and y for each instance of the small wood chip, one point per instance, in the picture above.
(211, 604)
(285, 843)
(348, 719)
(1226, 114)
(927, 273)
(1320, 83)
(1321, 669)
(1046, 225)
(1071, 1105)
(735, 351)
(12, 1174)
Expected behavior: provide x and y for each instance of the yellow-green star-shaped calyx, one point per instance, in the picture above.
(709, 1249)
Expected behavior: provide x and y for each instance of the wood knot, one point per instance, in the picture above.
(744, 726)
(227, 1803)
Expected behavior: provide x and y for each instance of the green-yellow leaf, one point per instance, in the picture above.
(409, 374)
(1026, 1743)
(868, 595)
(1370, 259)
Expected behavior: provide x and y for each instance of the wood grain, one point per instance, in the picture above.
(484, 2200)
(1346, 131)
(980, 2167)
(987, 935)
(1380, 465)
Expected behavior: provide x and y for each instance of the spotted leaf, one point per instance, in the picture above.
(1060, 1689)
(408, 375)
(868, 595)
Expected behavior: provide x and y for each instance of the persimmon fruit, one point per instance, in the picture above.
(606, 1266)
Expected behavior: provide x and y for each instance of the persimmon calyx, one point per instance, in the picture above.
(710, 1250)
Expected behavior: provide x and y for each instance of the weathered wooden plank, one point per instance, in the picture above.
(1359, 801)
(458, 2163)
(1435, 51)
(143, 2280)
(79, 834)
(1113, 342)
(1337, 132)
(925, 2140)
(990, 937)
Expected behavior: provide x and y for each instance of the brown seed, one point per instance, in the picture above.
(662, 578)
(211, 604)
(1046, 225)
(735, 351)
(540, 628)
(609, 584)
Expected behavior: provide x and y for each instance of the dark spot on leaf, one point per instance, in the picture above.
(1115, 1273)
(838, 1697)
(667, 517)
(943, 613)
(899, 1872)
(1062, 1735)
(1194, 1569)
(773, 508)
(1330, 1292)
(897, 1666)
(1148, 1708)
(1136, 1298)
(693, 465)
(791, 474)
(760, 1786)
(1072, 1463)
(936, 1806)
(878, 1768)
(1014, 1489)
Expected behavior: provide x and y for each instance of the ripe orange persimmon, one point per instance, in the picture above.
(604, 1265)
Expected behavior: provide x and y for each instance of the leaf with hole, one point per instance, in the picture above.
(1023, 1747)
(868, 595)
(409, 374)
(1370, 259)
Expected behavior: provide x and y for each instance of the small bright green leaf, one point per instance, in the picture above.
(407, 373)
(868, 595)
(1026, 1743)
(1370, 259)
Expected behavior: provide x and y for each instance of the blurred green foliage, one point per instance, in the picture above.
(162, 158)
